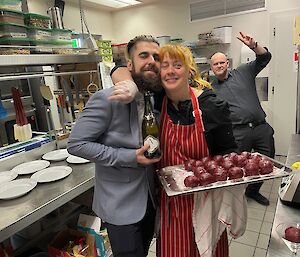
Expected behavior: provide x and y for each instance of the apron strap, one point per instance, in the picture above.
(197, 112)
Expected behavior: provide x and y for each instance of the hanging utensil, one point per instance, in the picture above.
(21, 118)
(92, 87)
(61, 103)
(74, 81)
(68, 90)
(22, 129)
(46, 92)
(79, 96)
(59, 109)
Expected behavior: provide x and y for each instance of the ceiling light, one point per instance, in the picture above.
(115, 3)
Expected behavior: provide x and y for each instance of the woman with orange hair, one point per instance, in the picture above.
(195, 123)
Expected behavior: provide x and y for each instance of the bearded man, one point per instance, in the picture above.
(109, 134)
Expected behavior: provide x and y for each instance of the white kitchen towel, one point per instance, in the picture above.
(216, 210)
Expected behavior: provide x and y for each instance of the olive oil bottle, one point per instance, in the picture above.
(150, 129)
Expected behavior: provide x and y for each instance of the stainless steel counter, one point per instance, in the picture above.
(284, 213)
(16, 214)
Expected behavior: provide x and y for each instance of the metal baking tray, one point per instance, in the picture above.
(172, 188)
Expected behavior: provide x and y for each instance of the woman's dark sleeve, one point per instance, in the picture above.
(158, 99)
(218, 126)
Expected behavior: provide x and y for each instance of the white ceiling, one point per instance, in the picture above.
(90, 4)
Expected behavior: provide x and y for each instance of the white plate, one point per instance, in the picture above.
(31, 167)
(52, 174)
(56, 155)
(76, 160)
(6, 176)
(16, 188)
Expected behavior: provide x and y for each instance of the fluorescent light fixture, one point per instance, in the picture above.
(115, 3)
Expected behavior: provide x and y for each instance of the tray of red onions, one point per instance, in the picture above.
(220, 171)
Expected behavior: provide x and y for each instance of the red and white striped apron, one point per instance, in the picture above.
(178, 143)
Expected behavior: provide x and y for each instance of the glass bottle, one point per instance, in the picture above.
(150, 129)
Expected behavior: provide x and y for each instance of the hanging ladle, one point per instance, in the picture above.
(46, 91)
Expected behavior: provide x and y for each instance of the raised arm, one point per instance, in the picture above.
(125, 89)
(251, 43)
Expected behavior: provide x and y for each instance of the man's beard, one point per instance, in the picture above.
(147, 83)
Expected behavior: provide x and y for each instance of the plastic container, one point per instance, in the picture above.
(107, 58)
(63, 47)
(105, 51)
(61, 34)
(42, 46)
(11, 17)
(37, 20)
(16, 44)
(119, 48)
(52, 46)
(39, 33)
(13, 30)
(103, 43)
(162, 40)
(222, 34)
(14, 5)
(176, 41)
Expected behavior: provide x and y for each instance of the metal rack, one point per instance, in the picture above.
(46, 59)
(39, 66)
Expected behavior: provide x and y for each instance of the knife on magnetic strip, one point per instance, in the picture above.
(69, 93)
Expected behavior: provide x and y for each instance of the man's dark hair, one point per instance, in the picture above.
(142, 38)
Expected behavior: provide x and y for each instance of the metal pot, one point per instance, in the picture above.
(56, 17)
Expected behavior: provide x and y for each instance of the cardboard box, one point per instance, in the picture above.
(92, 225)
(55, 248)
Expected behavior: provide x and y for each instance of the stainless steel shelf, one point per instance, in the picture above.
(17, 214)
(46, 59)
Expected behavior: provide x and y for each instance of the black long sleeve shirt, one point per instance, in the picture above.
(239, 90)
(215, 116)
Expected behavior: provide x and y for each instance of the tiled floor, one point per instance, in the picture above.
(254, 242)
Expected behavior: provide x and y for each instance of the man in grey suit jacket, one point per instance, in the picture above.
(109, 134)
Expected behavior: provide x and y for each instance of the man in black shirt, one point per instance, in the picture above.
(238, 88)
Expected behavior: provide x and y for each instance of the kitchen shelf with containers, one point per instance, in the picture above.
(30, 33)
(14, 5)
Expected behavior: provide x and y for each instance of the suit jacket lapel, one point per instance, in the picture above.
(134, 124)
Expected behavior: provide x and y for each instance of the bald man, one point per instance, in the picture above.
(238, 88)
